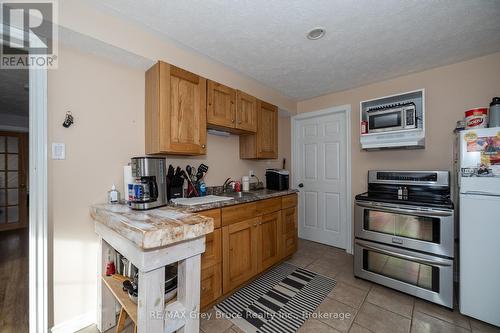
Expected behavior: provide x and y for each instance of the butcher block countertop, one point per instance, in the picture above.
(153, 228)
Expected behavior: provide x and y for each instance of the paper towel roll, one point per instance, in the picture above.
(127, 179)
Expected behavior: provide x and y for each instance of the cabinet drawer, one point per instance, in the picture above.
(289, 201)
(213, 249)
(211, 284)
(215, 214)
(238, 213)
(268, 206)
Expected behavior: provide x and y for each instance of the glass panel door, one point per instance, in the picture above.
(13, 211)
(409, 226)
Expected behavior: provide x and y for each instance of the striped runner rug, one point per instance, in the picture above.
(279, 301)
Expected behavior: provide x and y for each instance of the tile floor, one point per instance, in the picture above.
(372, 308)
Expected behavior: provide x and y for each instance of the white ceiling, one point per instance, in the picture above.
(366, 40)
(14, 98)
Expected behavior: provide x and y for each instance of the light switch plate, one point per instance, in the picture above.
(58, 151)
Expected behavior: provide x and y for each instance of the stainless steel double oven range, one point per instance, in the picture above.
(404, 233)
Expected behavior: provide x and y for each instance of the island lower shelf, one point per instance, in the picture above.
(115, 286)
(150, 314)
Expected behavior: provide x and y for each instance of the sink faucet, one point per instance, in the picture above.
(226, 184)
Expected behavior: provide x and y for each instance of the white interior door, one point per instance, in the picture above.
(321, 175)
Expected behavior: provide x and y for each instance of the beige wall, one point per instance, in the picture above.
(449, 91)
(107, 101)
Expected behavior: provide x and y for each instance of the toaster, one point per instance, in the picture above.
(277, 179)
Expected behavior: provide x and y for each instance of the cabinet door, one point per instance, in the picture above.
(211, 268)
(239, 253)
(188, 127)
(264, 143)
(246, 112)
(213, 249)
(267, 134)
(288, 233)
(175, 111)
(268, 248)
(211, 284)
(221, 105)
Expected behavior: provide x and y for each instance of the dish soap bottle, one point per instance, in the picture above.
(202, 189)
(113, 195)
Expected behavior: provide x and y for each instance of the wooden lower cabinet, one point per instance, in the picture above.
(253, 237)
(268, 246)
(239, 259)
(211, 284)
(288, 232)
(211, 268)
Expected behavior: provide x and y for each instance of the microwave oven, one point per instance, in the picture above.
(392, 117)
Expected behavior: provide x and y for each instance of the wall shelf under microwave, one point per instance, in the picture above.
(399, 135)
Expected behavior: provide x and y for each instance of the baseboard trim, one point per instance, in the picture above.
(75, 324)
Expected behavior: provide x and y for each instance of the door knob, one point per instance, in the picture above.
(301, 185)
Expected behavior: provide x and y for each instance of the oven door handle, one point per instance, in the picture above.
(429, 213)
(403, 256)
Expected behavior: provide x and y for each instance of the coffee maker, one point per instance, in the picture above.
(149, 187)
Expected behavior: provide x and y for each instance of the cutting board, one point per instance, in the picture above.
(200, 200)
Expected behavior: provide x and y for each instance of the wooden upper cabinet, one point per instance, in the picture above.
(221, 105)
(264, 143)
(246, 112)
(175, 111)
(230, 110)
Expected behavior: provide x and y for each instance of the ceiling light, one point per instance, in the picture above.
(316, 33)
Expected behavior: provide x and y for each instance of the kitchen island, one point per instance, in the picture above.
(151, 240)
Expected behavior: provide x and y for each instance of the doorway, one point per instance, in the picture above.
(14, 234)
(321, 157)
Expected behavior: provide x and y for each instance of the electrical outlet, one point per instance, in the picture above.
(251, 173)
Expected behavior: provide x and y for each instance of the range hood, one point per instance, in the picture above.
(414, 139)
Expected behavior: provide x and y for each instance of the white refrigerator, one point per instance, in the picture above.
(479, 186)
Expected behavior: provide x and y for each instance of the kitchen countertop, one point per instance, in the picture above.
(249, 197)
(153, 228)
(168, 225)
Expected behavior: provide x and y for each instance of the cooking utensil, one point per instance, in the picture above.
(203, 168)
(191, 188)
(194, 171)
(170, 173)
